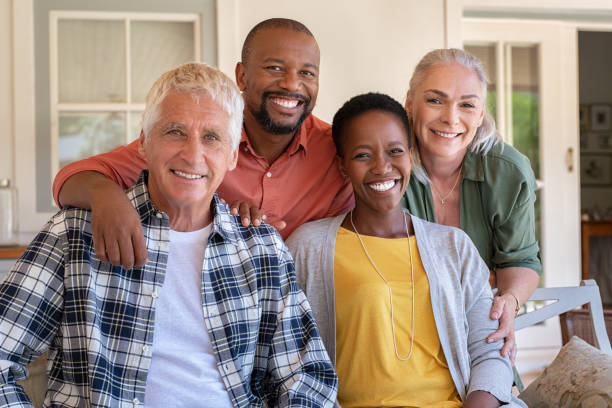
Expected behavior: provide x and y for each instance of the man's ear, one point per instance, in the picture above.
(241, 76)
(233, 160)
(141, 143)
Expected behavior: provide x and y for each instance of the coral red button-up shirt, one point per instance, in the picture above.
(303, 184)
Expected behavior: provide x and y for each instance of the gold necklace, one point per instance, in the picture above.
(389, 288)
(443, 199)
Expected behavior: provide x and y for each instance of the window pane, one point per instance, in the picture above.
(91, 52)
(486, 54)
(526, 103)
(157, 47)
(134, 126)
(83, 134)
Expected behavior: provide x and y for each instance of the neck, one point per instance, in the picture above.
(441, 168)
(185, 221)
(388, 224)
(184, 218)
(268, 145)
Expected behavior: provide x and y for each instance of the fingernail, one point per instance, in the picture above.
(245, 221)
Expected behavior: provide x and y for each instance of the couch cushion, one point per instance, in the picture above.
(580, 376)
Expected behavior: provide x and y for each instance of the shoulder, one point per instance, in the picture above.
(505, 160)
(69, 220)
(507, 180)
(316, 128)
(313, 233)
(449, 250)
(440, 236)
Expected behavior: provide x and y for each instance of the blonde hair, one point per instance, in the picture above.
(196, 78)
(486, 135)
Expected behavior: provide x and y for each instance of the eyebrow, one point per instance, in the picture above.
(171, 125)
(282, 61)
(444, 95)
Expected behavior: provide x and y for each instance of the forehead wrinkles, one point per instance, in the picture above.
(454, 79)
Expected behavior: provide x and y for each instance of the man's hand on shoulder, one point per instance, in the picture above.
(116, 227)
(250, 214)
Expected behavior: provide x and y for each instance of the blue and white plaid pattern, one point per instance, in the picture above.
(97, 320)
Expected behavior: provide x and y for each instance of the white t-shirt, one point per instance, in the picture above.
(183, 370)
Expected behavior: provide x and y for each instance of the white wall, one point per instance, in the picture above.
(365, 45)
(6, 91)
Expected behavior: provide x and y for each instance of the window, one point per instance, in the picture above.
(102, 65)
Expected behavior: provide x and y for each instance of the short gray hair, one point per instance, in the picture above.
(196, 78)
(486, 135)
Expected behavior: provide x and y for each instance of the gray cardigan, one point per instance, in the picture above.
(461, 299)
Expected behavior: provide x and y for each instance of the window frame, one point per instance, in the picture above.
(126, 107)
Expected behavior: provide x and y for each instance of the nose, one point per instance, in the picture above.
(290, 81)
(382, 164)
(191, 151)
(450, 115)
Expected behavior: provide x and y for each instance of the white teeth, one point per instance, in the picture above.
(187, 175)
(446, 135)
(384, 186)
(286, 103)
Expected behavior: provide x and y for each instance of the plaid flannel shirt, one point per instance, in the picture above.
(97, 320)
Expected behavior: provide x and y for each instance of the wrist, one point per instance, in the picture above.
(517, 304)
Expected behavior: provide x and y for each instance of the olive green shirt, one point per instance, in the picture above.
(496, 207)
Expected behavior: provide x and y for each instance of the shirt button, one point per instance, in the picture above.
(268, 174)
(154, 295)
(263, 217)
(136, 401)
(159, 215)
(146, 349)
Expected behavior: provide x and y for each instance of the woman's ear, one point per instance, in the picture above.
(408, 104)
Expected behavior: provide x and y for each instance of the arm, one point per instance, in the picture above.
(92, 184)
(300, 369)
(517, 261)
(31, 307)
(515, 284)
(121, 165)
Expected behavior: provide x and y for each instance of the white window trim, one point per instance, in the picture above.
(126, 107)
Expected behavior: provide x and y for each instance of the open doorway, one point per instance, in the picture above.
(595, 96)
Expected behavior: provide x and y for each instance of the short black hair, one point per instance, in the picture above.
(359, 104)
(271, 23)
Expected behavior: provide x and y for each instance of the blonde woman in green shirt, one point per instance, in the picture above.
(465, 176)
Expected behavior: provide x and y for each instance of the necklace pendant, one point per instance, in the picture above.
(443, 202)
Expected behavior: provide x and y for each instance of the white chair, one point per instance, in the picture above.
(568, 298)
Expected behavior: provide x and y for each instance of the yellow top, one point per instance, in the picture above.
(369, 373)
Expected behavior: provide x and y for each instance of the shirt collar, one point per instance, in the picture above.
(300, 139)
(224, 223)
(473, 167)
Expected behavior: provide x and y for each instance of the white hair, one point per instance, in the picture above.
(486, 135)
(196, 78)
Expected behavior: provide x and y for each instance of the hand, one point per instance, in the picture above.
(503, 309)
(481, 399)
(116, 228)
(248, 214)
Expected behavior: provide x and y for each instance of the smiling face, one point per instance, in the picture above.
(446, 109)
(376, 159)
(280, 79)
(188, 151)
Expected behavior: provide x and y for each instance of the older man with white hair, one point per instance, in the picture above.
(214, 318)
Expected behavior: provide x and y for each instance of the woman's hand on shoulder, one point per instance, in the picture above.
(504, 309)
